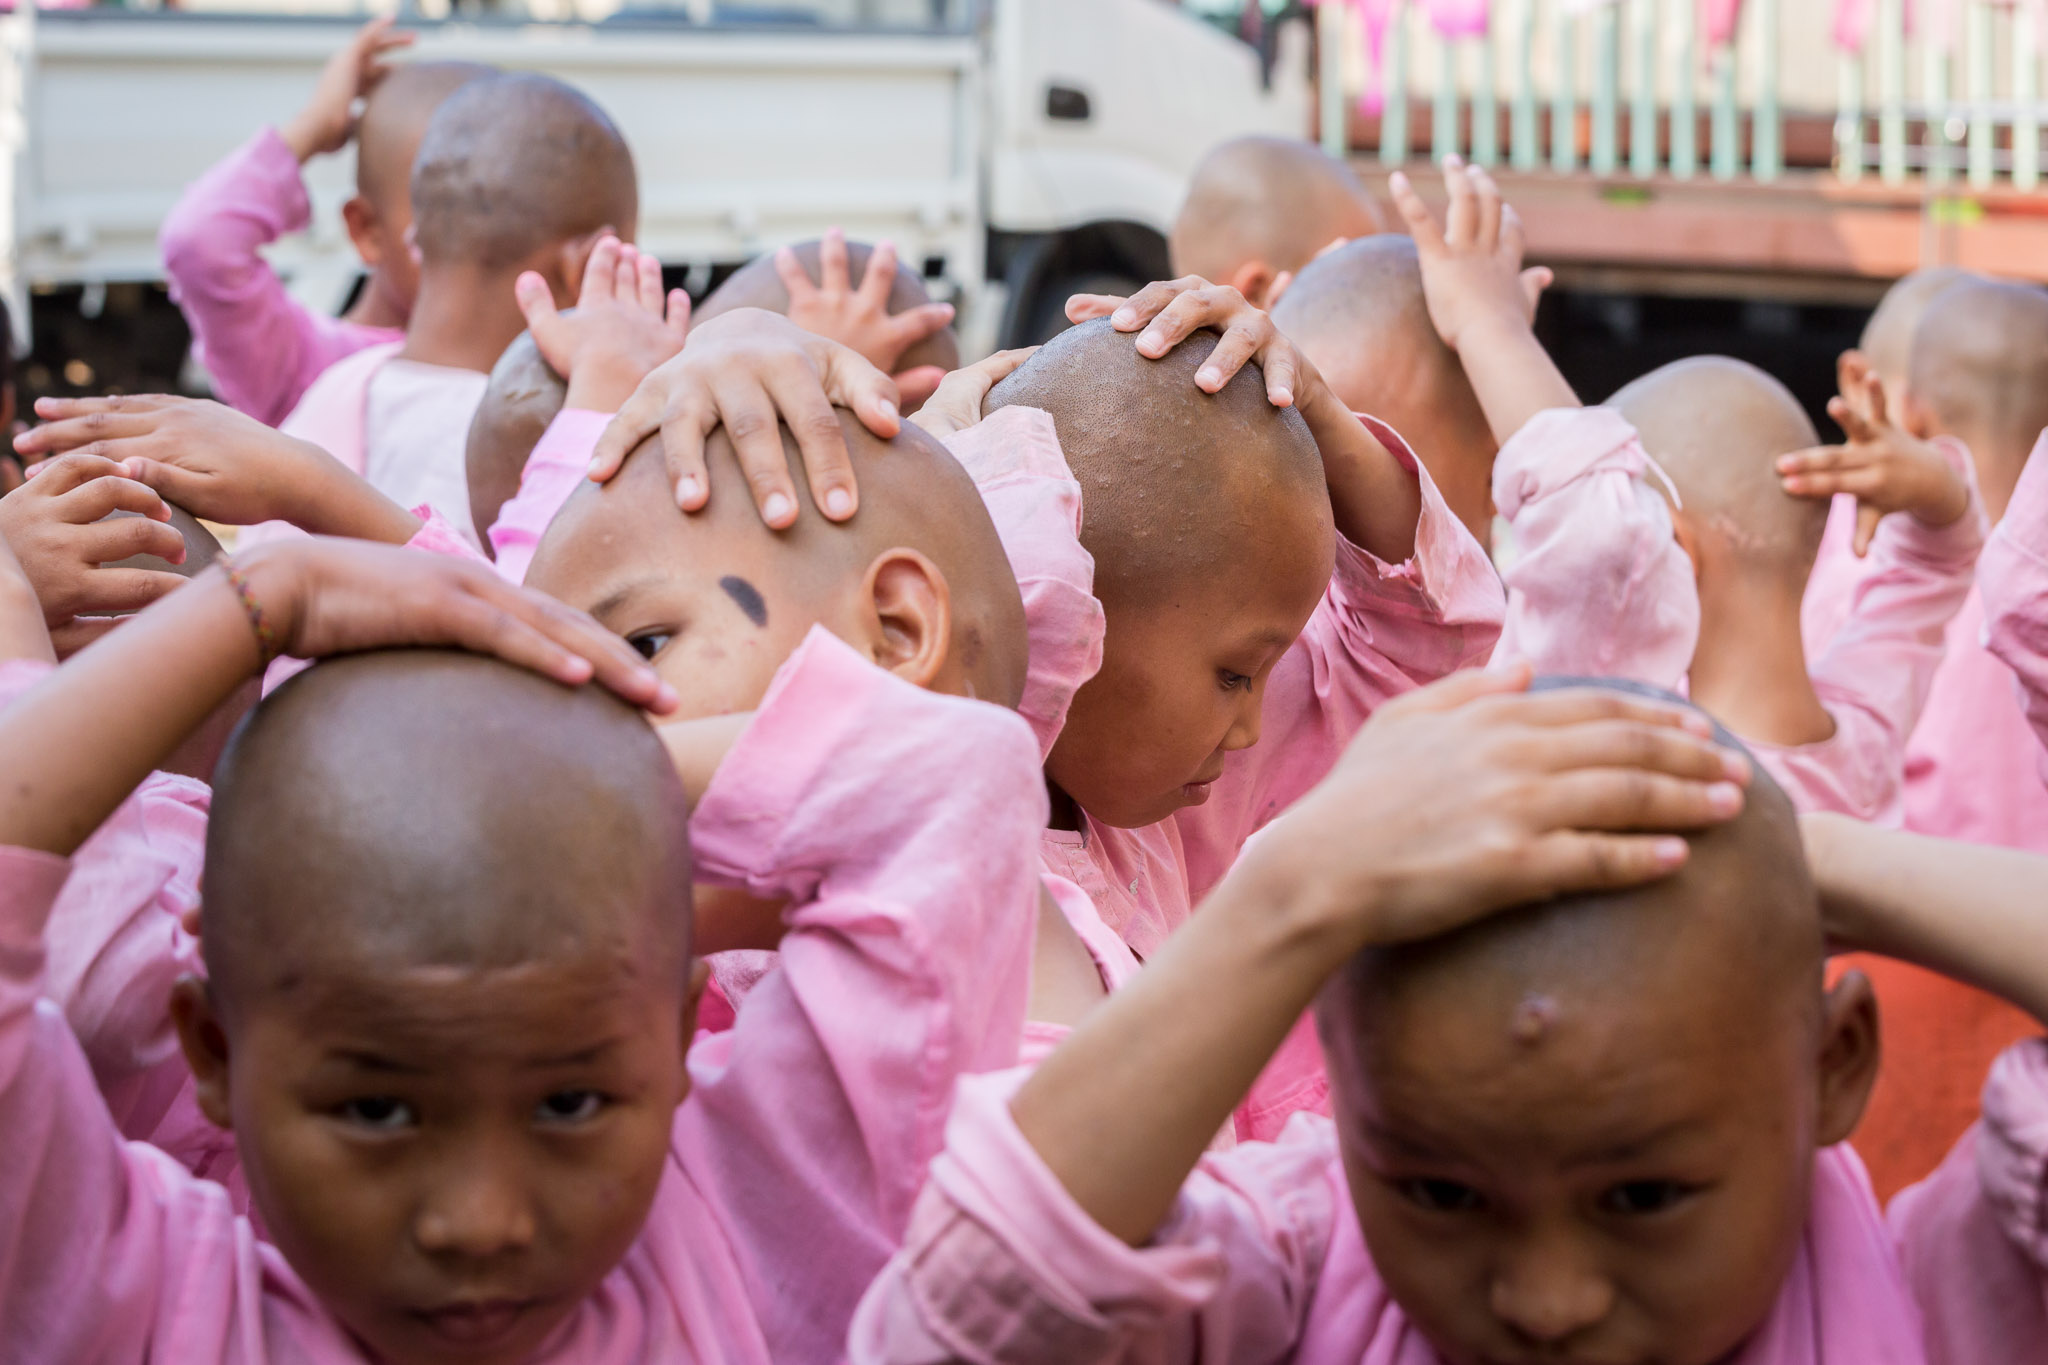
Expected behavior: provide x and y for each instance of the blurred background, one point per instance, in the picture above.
(1740, 176)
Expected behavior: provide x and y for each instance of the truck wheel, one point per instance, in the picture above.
(1048, 316)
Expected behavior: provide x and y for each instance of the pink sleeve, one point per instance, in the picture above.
(1875, 673)
(437, 537)
(902, 826)
(1597, 583)
(1032, 497)
(261, 347)
(560, 460)
(1000, 1264)
(1381, 630)
(2013, 581)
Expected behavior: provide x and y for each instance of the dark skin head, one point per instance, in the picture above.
(394, 119)
(1359, 315)
(917, 579)
(1259, 206)
(1211, 529)
(523, 396)
(449, 991)
(1979, 371)
(756, 285)
(1585, 1130)
(512, 168)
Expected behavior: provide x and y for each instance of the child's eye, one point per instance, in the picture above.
(570, 1106)
(1441, 1196)
(650, 643)
(380, 1113)
(1645, 1196)
(1234, 682)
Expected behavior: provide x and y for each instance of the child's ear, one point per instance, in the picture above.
(1688, 539)
(570, 258)
(205, 1044)
(1849, 1053)
(1254, 279)
(360, 215)
(1915, 416)
(913, 616)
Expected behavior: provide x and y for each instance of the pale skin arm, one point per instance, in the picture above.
(1455, 801)
(22, 632)
(1481, 299)
(1968, 911)
(1376, 502)
(76, 745)
(1885, 467)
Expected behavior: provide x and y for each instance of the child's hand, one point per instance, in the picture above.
(1171, 311)
(329, 120)
(956, 404)
(56, 525)
(618, 332)
(322, 596)
(1885, 467)
(219, 464)
(1472, 275)
(1472, 795)
(747, 371)
(859, 317)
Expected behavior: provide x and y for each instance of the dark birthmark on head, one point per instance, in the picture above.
(747, 596)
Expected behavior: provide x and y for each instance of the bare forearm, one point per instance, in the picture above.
(341, 503)
(1513, 377)
(1376, 502)
(1967, 911)
(76, 745)
(23, 634)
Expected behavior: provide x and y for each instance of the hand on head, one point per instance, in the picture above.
(858, 315)
(218, 464)
(956, 404)
(620, 330)
(1885, 467)
(328, 120)
(748, 371)
(1170, 311)
(57, 526)
(1472, 271)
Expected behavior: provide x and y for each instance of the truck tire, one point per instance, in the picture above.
(1043, 270)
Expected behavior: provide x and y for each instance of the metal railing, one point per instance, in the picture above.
(1680, 88)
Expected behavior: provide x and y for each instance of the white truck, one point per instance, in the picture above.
(1014, 149)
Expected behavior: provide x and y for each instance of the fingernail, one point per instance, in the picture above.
(665, 698)
(1669, 851)
(776, 509)
(1123, 317)
(888, 410)
(1283, 398)
(1735, 765)
(839, 503)
(1207, 376)
(686, 489)
(1725, 798)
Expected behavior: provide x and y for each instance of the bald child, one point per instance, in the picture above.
(261, 347)
(1258, 209)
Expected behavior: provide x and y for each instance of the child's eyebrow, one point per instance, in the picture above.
(375, 1061)
(588, 1054)
(620, 595)
(1633, 1147)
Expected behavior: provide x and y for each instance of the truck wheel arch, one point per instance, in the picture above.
(1040, 269)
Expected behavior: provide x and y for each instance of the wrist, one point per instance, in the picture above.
(602, 384)
(301, 133)
(1294, 909)
(272, 586)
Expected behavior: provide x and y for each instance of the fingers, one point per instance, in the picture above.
(626, 284)
(880, 278)
(827, 466)
(116, 538)
(1277, 290)
(1852, 418)
(83, 427)
(1429, 239)
(648, 271)
(1492, 213)
(1149, 302)
(1535, 281)
(538, 632)
(60, 476)
(855, 384)
(537, 305)
(916, 385)
(913, 325)
(640, 418)
(678, 321)
(81, 631)
(1649, 745)
(171, 483)
(1867, 518)
(1190, 310)
(113, 493)
(1622, 800)
(1874, 401)
(833, 277)
(1581, 705)
(1570, 861)
(1461, 218)
(748, 413)
(1082, 307)
(1245, 337)
(600, 273)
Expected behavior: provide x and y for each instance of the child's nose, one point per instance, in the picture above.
(1547, 1292)
(1244, 729)
(479, 1208)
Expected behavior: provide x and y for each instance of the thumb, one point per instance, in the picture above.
(853, 382)
(167, 481)
(543, 319)
(1867, 518)
(678, 320)
(918, 383)
(1082, 307)
(915, 324)
(1535, 280)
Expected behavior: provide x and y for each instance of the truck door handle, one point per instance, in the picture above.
(1067, 104)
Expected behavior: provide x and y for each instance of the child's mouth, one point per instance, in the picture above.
(479, 1324)
(1195, 793)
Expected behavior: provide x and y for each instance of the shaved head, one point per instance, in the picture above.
(395, 118)
(514, 164)
(414, 808)
(1980, 367)
(1174, 482)
(202, 547)
(1888, 336)
(757, 285)
(1717, 427)
(523, 396)
(1275, 200)
(1359, 315)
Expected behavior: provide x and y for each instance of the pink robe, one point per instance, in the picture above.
(2012, 582)
(1597, 582)
(1261, 1258)
(795, 1160)
(262, 347)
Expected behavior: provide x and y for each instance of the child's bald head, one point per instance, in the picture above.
(717, 599)
(1887, 341)
(201, 751)
(1359, 315)
(202, 547)
(426, 808)
(1209, 520)
(1258, 206)
(1717, 426)
(514, 164)
(1646, 1075)
(522, 397)
(395, 119)
(757, 285)
(1979, 367)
